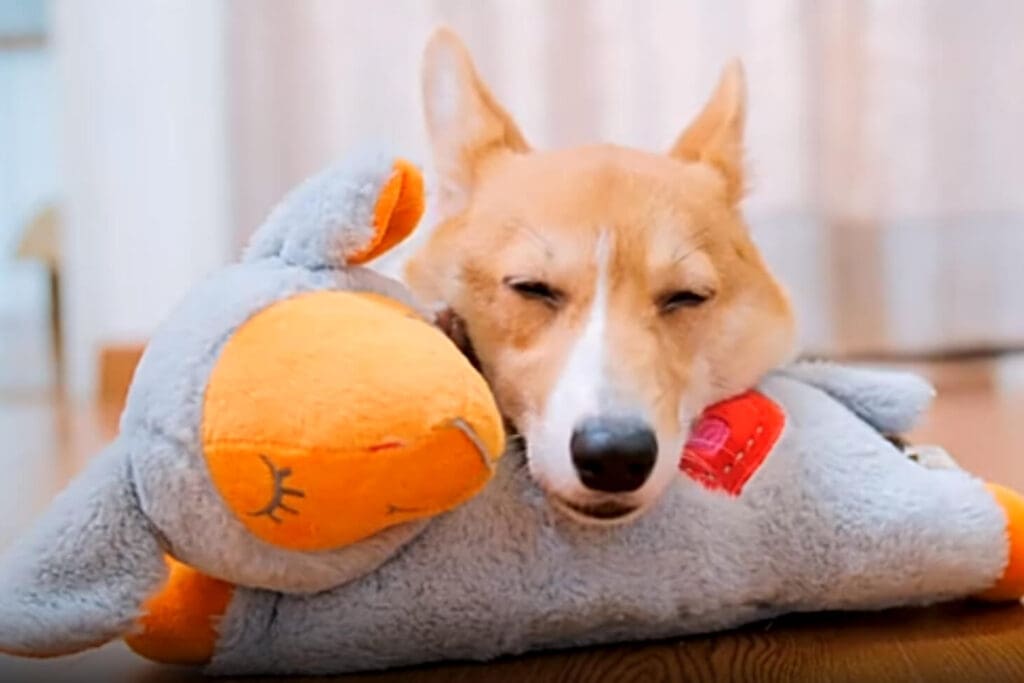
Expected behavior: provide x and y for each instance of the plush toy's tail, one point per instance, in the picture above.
(1010, 585)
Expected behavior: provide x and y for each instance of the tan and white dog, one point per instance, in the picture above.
(609, 294)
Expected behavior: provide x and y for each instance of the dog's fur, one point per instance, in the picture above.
(596, 281)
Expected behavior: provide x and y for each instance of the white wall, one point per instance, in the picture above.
(28, 181)
(27, 152)
(144, 164)
(884, 141)
(183, 121)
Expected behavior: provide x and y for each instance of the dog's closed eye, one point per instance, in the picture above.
(683, 298)
(536, 290)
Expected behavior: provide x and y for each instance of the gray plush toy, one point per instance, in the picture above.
(298, 487)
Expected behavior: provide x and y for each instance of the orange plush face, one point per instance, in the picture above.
(321, 438)
(609, 294)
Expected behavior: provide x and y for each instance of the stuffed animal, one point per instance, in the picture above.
(294, 423)
(308, 456)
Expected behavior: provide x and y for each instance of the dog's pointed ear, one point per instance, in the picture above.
(715, 137)
(81, 576)
(466, 124)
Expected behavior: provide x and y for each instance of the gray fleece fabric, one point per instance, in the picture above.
(835, 518)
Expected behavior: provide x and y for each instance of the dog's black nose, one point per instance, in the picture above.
(614, 455)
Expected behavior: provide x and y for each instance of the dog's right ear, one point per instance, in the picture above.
(81, 576)
(466, 124)
(715, 137)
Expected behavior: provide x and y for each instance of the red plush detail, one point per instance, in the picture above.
(731, 440)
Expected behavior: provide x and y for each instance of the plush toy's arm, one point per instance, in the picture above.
(79, 578)
(890, 401)
(347, 214)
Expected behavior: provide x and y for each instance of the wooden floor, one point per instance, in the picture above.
(979, 419)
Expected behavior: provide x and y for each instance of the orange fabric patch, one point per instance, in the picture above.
(398, 210)
(731, 440)
(1010, 585)
(179, 623)
(333, 415)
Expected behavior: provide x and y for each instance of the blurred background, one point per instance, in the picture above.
(142, 140)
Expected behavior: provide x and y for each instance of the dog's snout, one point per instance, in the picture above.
(613, 455)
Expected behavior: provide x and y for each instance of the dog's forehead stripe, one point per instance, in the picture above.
(583, 376)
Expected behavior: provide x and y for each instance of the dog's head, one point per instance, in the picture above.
(610, 294)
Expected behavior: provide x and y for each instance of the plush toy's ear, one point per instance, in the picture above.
(397, 211)
(348, 214)
(81, 575)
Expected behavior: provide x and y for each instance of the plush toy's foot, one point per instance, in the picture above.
(178, 624)
(1010, 585)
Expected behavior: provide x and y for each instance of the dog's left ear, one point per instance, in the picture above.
(466, 124)
(715, 137)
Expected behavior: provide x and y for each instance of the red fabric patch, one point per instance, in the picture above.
(731, 440)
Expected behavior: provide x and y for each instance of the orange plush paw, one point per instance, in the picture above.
(1010, 585)
(179, 624)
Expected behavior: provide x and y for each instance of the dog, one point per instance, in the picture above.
(608, 294)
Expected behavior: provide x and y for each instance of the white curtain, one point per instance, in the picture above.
(886, 137)
(143, 164)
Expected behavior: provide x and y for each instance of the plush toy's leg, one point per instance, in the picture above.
(1010, 585)
(179, 623)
